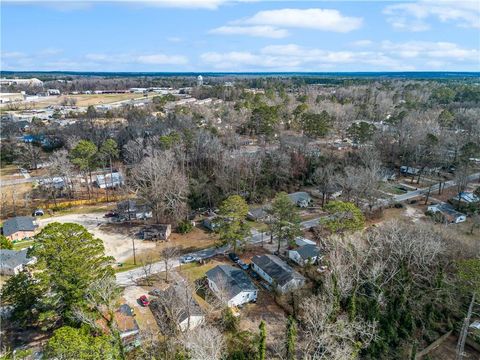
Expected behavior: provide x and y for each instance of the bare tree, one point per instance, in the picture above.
(169, 257)
(204, 343)
(158, 181)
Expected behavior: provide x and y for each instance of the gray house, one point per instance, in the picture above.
(231, 285)
(13, 261)
(277, 273)
(301, 198)
(306, 254)
(19, 228)
(257, 214)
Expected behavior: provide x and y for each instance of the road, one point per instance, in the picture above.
(415, 193)
(129, 277)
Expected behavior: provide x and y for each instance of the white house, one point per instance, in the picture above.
(231, 285)
(110, 180)
(277, 273)
(306, 254)
(451, 215)
(13, 261)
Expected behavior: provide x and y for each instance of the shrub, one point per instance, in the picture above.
(185, 227)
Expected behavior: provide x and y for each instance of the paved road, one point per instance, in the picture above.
(20, 181)
(415, 193)
(129, 277)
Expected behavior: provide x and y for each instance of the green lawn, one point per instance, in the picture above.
(22, 244)
(257, 225)
(195, 271)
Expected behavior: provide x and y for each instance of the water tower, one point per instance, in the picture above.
(199, 80)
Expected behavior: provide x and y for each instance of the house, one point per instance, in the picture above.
(407, 170)
(176, 307)
(451, 215)
(306, 254)
(232, 285)
(466, 197)
(13, 261)
(157, 232)
(110, 180)
(127, 326)
(19, 228)
(277, 273)
(257, 214)
(301, 199)
(53, 182)
(53, 92)
(132, 210)
(300, 241)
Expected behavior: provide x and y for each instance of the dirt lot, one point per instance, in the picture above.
(118, 237)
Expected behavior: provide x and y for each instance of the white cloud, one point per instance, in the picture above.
(12, 55)
(414, 16)
(379, 57)
(162, 59)
(257, 31)
(317, 19)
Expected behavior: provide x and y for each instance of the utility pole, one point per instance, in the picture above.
(464, 332)
(134, 258)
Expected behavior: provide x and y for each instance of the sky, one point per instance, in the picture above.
(240, 36)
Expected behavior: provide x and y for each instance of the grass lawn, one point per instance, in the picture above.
(195, 271)
(257, 225)
(22, 244)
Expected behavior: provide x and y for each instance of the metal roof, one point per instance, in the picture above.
(234, 279)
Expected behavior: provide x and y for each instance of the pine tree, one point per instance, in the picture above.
(291, 338)
(262, 345)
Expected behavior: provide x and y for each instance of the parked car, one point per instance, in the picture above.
(242, 265)
(111, 214)
(143, 300)
(187, 259)
(38, 212)
(234, 257)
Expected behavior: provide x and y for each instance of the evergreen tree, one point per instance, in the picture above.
(233, 227)
(291, 338)
(262, 343)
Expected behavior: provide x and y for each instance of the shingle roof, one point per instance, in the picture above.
(19, 223)
(297, 197)
(10, 259)
(308, 251)
(277, 269)
(234, 280)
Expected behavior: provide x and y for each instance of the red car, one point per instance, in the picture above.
(143, 300)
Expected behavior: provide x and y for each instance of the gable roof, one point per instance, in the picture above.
(19, 223)
(300, 196)
(234, 280)
(308, 251)
(10, 259)
(277, 269)
(448, 210)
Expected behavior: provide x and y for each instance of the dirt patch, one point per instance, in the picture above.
(447, 351)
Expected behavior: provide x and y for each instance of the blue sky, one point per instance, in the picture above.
(243, 35)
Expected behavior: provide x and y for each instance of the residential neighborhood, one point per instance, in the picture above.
(240, 180)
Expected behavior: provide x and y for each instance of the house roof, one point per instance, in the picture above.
(10, 259)
(308, 251)
(234, 279)
(108, 178)
(300, 241)
(257, 213)
(467, 197)
(125, 320)
(297, 197)
(448, 210)
(19, 223)
(277, 269)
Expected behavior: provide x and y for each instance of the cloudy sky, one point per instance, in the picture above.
(242, 35)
